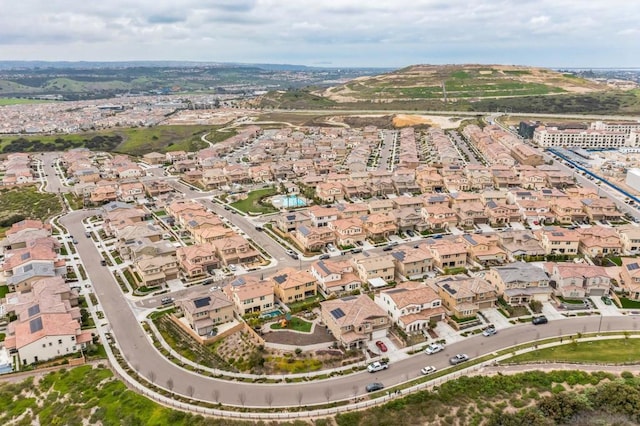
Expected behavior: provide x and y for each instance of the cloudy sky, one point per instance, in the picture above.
(376, 33)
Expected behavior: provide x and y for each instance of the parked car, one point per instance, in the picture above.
(539, 320)
(87, 234)
(166, 300)
(375, 386)
(434, 348)
(324, 256)
(232, 268)
(606, 300)
(428, 370)
(103, 262)
(459, 358)
(356, 250)
(489, 331)
(377, 366)
(387, 248)
(380, 344)
(411, 233)
(331, 247)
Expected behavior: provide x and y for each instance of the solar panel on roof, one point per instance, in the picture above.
(202, 302)
(557, 234)
(28, 268)
(33, 310)
(280, 278)
(348, 298)
(632, 266)
(35, 324)
(337, 313)
(25, 256)
(450, 289)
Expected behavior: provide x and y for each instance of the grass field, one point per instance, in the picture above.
(251, 203)
(629, 304)
(136, 141)
(603, 351)
(296, 324)
(27, 202)
(19, 101)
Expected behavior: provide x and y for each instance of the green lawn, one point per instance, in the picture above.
(4, 289)
(251, 204)
(629, 304)
(606, 351)
(17, 101)
(296, 324)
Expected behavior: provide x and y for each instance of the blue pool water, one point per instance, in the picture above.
(288, 201)
(271, 314)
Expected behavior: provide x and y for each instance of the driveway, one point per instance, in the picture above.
(496, 318)
(605, 310)
(549, 311)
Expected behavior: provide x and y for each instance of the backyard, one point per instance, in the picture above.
(296, 324)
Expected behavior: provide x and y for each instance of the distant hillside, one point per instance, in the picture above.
(516, 89)
(459, 82)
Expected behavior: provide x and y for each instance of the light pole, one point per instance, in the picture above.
(600, 323)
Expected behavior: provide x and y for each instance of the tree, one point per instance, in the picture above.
(536, 306)
(268, 398)
(328, 392)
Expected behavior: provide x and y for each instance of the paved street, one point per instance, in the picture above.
(142, 355)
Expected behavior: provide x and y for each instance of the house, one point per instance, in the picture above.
(335, 276)
(484, 249)
(411, 305)
(471, 213)
(578, 280)
(312, 238)
(629, 238)
(129, 192)
(412, 262)
(321, 216)
(290, 221)
(500, 213)
(379, 226)
(447, 253)
(291, 285)
(439, 217)
(329, 192)
(47, 322)
(251, 294)
(559, 241)
(377, 206)
(520, 244)
(630, 277)
(235, 250)
(350, 210)
(204, 313)
(464, 296)
(155, 271)
(369, 266)
(520, 283)
(348, 231)
(600, 209)
(599, 241)
(197, 260)
(568, 210)
(354, 320)
(407, 219)
(154, 158)
(37, 260)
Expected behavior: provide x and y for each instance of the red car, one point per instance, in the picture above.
(381, 345)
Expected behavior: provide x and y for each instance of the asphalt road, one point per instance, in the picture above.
(142, 355)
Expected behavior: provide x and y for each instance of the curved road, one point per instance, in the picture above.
(138, 350)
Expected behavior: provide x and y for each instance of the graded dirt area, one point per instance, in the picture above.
(405, 120)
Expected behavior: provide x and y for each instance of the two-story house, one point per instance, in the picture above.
(335, 276)
(291, 285)
(354, 320)
(520, 283)
(411, 305)
(465, 296)
(205, 313)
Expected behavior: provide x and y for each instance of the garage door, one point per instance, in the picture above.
(379, 334)
(597, 292)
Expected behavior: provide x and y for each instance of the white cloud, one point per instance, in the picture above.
(343, 32)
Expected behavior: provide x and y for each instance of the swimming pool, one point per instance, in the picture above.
(288, 201)
(271, 314)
